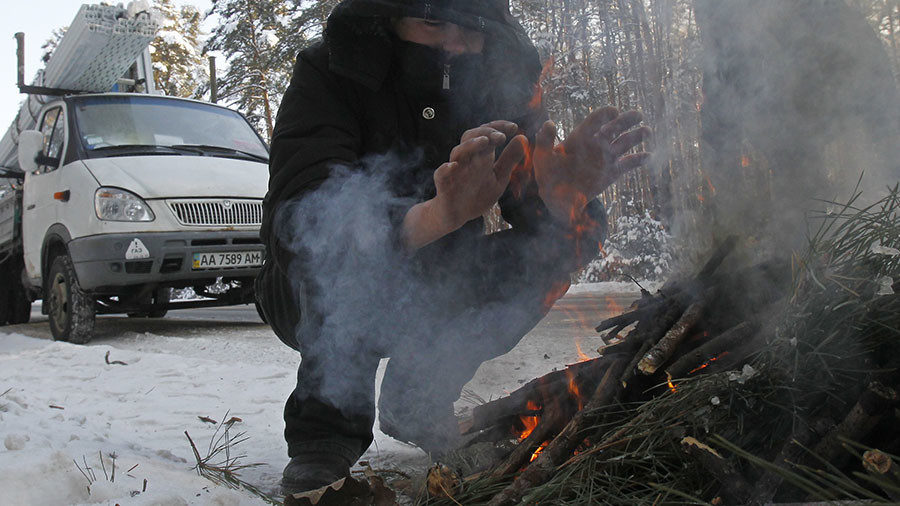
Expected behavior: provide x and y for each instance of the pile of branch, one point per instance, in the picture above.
(733, 386)
(673, 335)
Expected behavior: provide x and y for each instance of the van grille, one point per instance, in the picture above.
(217, 212)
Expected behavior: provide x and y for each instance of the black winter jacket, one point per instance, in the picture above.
(360, 92)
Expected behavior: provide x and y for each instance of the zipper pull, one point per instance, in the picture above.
(446, 76)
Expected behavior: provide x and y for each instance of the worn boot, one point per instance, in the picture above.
(309, 471)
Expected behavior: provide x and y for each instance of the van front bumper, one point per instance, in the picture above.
(116, 260)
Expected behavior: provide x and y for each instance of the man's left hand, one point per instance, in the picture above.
(593, 157)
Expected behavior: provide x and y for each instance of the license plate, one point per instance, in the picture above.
(226, 260)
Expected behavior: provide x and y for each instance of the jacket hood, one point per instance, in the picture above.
(361, 42)
(484, 15)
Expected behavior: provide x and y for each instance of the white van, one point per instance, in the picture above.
(127, 196)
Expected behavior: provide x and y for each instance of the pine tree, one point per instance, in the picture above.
(178, 65)
(260, 48)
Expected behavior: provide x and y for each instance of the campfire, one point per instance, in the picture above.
(745, 383)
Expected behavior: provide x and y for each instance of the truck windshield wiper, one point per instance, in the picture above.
(223, 149)
(138, 148)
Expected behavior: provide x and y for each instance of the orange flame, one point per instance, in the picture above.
(712, 188)
(539, 450)
(582, 356)
(745, 161)
(529, 422)
(538, 98)
(612, 306)
(708, 362)
(573, 389)
(523, 173)
(671, 385)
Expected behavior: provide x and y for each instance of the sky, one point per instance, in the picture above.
(37, 18)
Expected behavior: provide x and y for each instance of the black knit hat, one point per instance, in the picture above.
(475, 14)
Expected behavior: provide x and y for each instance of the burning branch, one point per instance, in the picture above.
(561, 448)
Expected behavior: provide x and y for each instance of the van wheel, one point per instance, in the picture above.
(71, 311)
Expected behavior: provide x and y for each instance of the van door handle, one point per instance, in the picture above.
(29, 208)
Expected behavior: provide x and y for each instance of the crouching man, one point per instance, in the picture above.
(399, 130)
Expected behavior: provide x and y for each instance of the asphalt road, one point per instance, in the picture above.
(573, 316)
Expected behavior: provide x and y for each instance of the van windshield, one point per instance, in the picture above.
(111, 125)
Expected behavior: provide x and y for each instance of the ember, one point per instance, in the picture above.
(709, 362)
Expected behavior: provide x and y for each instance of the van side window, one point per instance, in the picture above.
(53, 128)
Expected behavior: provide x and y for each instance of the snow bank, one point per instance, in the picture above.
(63, 403)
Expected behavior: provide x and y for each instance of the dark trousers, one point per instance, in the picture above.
(472, 300)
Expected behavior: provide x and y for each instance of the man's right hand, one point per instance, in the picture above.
(468, 185)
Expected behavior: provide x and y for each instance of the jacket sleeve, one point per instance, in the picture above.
(315, 130)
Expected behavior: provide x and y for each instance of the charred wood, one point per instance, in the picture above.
(550, 389)
(713, 348)
(718, 257)
(614, 334)
(561, 448)
(882, 467)
(660, 353)
(793, 449)
(631, 368)
(735, 488)
(875, 402)
(625, 319)
(546, 430)
(650, 329)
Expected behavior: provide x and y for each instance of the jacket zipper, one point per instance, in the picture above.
(446, 76)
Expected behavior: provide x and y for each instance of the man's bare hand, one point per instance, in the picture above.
(588, 161)
(467, 185)
(472, 181)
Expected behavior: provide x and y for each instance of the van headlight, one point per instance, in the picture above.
(114, 204)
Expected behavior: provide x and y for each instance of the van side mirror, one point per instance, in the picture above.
(31, 144)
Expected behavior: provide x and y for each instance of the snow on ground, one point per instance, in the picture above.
(63, 403)
(613, 287)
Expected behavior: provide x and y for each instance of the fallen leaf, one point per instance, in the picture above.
(442, 481)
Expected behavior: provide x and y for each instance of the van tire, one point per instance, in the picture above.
(72, 312)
